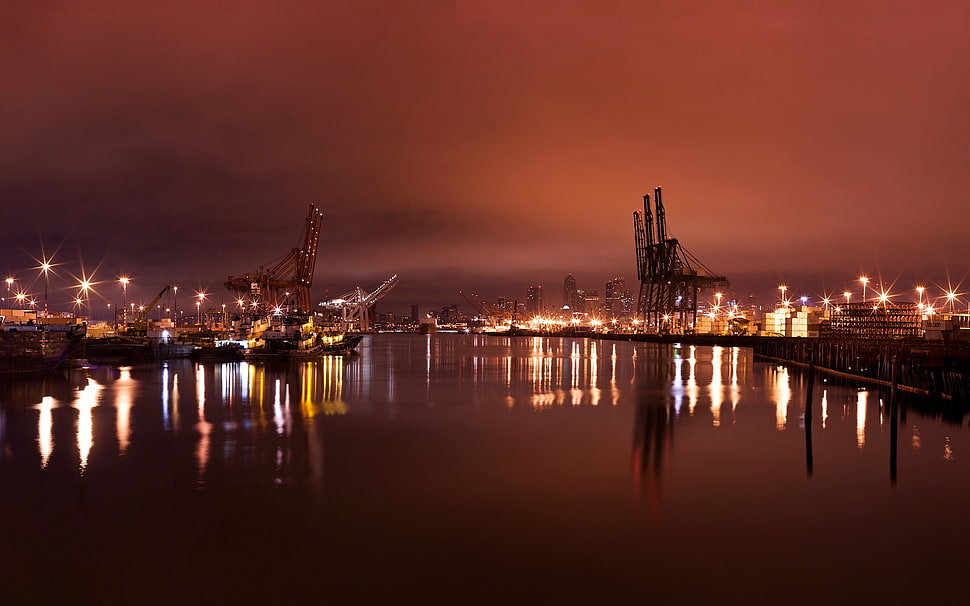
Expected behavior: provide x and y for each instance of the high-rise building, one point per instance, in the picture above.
(570, 294)
(613, 296)
(414, 313)
(591, 301)
(629, 302)
(533, 301)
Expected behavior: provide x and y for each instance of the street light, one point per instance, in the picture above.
(950, 295)
(865, 282)
(847, 294)
(783, 288)
(45, 268)
(124, 291)
(83, 286)
(175, 305)
(198, 305)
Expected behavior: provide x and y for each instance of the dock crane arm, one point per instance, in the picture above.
(140, 318)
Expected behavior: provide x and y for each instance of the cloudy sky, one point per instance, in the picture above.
(485, 145)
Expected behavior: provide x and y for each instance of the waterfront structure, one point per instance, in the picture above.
(285, 284)
(788, 321)
(356, 308)
(887, 320)
(670, 277)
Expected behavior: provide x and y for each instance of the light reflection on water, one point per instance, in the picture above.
(468, 444)
(552, 373)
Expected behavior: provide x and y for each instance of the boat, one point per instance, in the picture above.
(297, 338)
(228, 352)
(285, 349)
(32, 349)
(428, 326)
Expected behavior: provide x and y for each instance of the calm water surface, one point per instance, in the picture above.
(454, 469)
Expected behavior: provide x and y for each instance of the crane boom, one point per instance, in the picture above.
(138, 323)
(286, 281)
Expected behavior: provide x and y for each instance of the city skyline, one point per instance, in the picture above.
(486, 148)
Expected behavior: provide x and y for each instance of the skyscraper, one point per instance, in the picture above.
(613, 296)
(570, 294)
(533, 301)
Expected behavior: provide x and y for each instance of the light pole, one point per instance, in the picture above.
(919, 294)
(950, 297)
(865, 282)
(175, 306)
(83, 287)
(9, 286)
(783, 288)
(198, 306)
(847, 294)
(124, 294)
(45, 268)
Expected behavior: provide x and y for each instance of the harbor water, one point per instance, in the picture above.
(472, 469)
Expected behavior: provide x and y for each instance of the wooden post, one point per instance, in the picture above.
(893, 420)
(809, 462)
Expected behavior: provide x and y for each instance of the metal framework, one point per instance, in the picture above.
(670, 277)
(285, 283)
(888, 320)
(357, 306)
(494, 315)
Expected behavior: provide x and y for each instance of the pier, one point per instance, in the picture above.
(938, 369)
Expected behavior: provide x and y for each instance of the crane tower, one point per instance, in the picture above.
(670, 277)
(356, 307)
(284, 283)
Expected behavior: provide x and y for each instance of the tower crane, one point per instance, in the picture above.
(357, 306)
(285, 282)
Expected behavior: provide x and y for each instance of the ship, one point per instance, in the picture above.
(428, 326)
(296, 338)
(33, 348)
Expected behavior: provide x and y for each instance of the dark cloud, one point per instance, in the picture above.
(484, 146)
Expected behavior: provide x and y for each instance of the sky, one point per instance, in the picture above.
(484, 146)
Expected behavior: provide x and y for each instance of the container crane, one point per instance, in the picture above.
(493, 314)
(357, 306)
(286, 282)
(670, 277)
